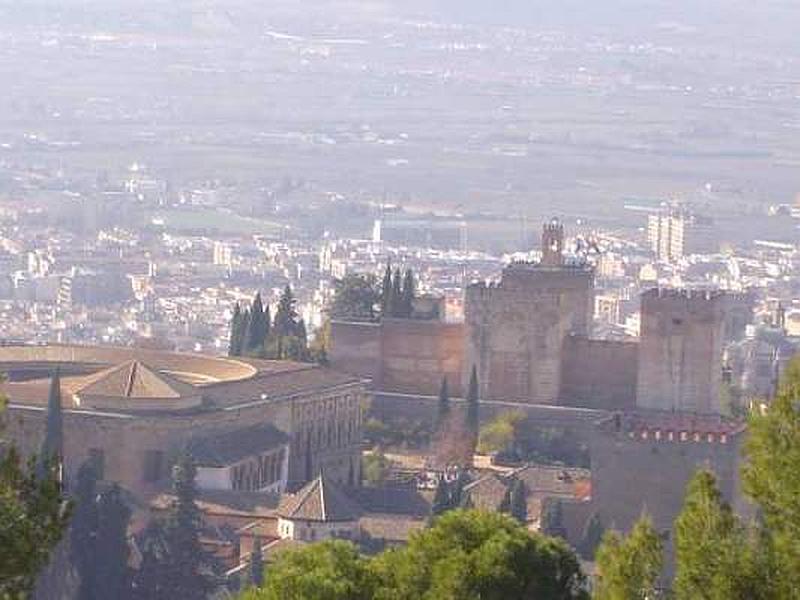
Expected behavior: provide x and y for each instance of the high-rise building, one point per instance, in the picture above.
(666, 233)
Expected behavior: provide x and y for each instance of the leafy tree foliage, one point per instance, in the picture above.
(33, 517)
(326, 571)
(500, 435)
(772, 481)
(471, 555)
(713, 555)
(628, 567)
(375, 467)
(355, 298)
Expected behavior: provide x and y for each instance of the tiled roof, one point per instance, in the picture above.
(134, 379)
(320, 500)
(229, 448)
(488, 492)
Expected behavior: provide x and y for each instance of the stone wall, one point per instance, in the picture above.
(401, 355)
(355, 347)
(599, 373)
(631, 475)
(680, 352)
(516, 329)
(417, 354)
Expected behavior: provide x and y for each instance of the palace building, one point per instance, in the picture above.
(251, 425)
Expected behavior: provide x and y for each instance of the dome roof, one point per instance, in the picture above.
(134, 385)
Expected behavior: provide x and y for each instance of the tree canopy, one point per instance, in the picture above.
(33, 517)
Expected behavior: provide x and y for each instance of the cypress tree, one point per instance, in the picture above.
(443, 406)
(441, 499)
(302, 334)
(236, 326)
(188, 571)
(553, 519)
(286, 315)
(83, 531)
(473, 409)
(113, 576)
(592, 536)
(150, 580)
(51, 454)
(241, 334)
(257, 564)
(397, 294)
(386, 291)
(518, 502)
(257, 327)
(408, 295)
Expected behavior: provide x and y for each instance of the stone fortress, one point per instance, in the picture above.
(657, 412)
(251, 425)
(528, 334)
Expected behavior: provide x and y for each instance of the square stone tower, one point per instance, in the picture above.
(516, 327)
(680, 352)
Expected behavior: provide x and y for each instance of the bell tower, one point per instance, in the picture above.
(553, 244)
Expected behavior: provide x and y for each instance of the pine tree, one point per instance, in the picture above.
(473, 408)
(234, 348)
(518, 501)
(113, 576)
(711, 548)
(443, 406)
(51, 454)
(628, 567)
(188, 570)
(386, 291)
(257, 564)
(83, 530)
(408, 295)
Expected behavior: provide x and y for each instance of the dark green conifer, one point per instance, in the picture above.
(234, 347)
(83, 530)
(257, 327)
(286, 314)
(51, 454)
(386, 291)
(113, 576)
(441, 499)
(473, 408)
(397, 294)
(408, 295)
(257, 564)
(443, 406)
(518, 501)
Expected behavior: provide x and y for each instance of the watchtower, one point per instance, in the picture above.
(553, 244)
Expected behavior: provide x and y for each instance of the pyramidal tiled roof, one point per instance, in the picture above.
(319, 500)
(134, 379)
